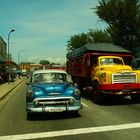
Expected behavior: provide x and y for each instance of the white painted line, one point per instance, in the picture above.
(71, 132)
(85, 105)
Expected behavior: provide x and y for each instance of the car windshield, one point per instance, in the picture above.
(49, 77)
(111, 61)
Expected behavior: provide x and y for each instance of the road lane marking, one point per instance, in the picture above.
(85, 105)
(71, 132)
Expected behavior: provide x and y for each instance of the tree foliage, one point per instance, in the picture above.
(76, 41)
(93, 36)
(44, 62)
(99, 36)
(123, 18)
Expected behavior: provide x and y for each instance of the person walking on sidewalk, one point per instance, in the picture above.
(9, 77)
(12, 74)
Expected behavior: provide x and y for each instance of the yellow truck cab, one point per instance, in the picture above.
(109, 67)
(112, 76)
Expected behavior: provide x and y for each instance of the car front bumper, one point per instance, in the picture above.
(31, 108)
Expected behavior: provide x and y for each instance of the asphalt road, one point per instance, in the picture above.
(117, 119)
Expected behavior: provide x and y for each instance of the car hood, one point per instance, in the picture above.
(116, 68)
(52, 89)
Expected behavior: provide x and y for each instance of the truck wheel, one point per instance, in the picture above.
(97, 97)
(135, 97)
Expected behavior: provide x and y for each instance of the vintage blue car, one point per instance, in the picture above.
(51, 91)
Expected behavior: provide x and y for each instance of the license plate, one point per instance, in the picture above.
(126, 91)
(55, 110)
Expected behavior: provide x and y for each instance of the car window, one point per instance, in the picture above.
(49, 77)
(111, 61)
(61, 76)
(36, 78)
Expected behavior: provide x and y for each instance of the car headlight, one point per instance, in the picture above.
(71, 101)
(36, 103)
(77, 92)
(103, 75)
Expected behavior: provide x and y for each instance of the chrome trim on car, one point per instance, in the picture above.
(122, 77)
(54, 101)
(55, 109)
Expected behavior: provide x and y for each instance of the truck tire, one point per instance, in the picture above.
(96, 95)
(135, 97)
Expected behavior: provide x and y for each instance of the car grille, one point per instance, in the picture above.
(124, 78)
(53, 101)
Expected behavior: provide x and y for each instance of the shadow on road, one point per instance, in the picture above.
(52, 116)
(110, 100)
(2, 82)
(118, 100)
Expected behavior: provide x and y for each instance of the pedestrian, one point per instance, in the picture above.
(9, 77)
(12, 76)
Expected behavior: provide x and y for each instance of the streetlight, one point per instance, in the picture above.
(8, 43)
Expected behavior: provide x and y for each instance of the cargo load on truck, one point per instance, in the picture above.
(105, 69)
(99, 48)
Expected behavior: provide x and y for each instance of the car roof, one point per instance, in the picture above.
(49, 71)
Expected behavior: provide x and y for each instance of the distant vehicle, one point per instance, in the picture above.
(51, 91)
(24, 72)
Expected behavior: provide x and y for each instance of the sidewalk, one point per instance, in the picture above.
(8, 87)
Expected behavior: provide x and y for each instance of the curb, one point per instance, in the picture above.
(10, 90)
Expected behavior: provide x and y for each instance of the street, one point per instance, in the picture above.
(117, 119)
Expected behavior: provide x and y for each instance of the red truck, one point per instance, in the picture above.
(104, 69)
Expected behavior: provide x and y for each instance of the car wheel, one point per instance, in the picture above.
(135, 97)
(96, 95)
(74, 113)
(29, 115)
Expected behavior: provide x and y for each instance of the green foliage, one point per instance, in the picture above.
(93, 36)
(76, 41)
(123, 18)
(99, 36)
(44, 62)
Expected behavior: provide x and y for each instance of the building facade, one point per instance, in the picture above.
(3, 50)
(31, 67)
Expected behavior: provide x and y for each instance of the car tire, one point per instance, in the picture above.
(96, 93)
(29, 115)
(135, 97)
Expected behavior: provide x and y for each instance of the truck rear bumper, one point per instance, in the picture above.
(120, 88)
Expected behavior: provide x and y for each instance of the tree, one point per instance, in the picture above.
(123, 18)
(93, 36)
(99, 36)
(77, 41)
(44, 62)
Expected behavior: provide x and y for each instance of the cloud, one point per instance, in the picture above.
(37, 58)
(42, 28)
(34, 59)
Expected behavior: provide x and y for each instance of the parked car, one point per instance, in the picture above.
(51, 91)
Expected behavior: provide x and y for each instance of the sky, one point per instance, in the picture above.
(43, 27)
